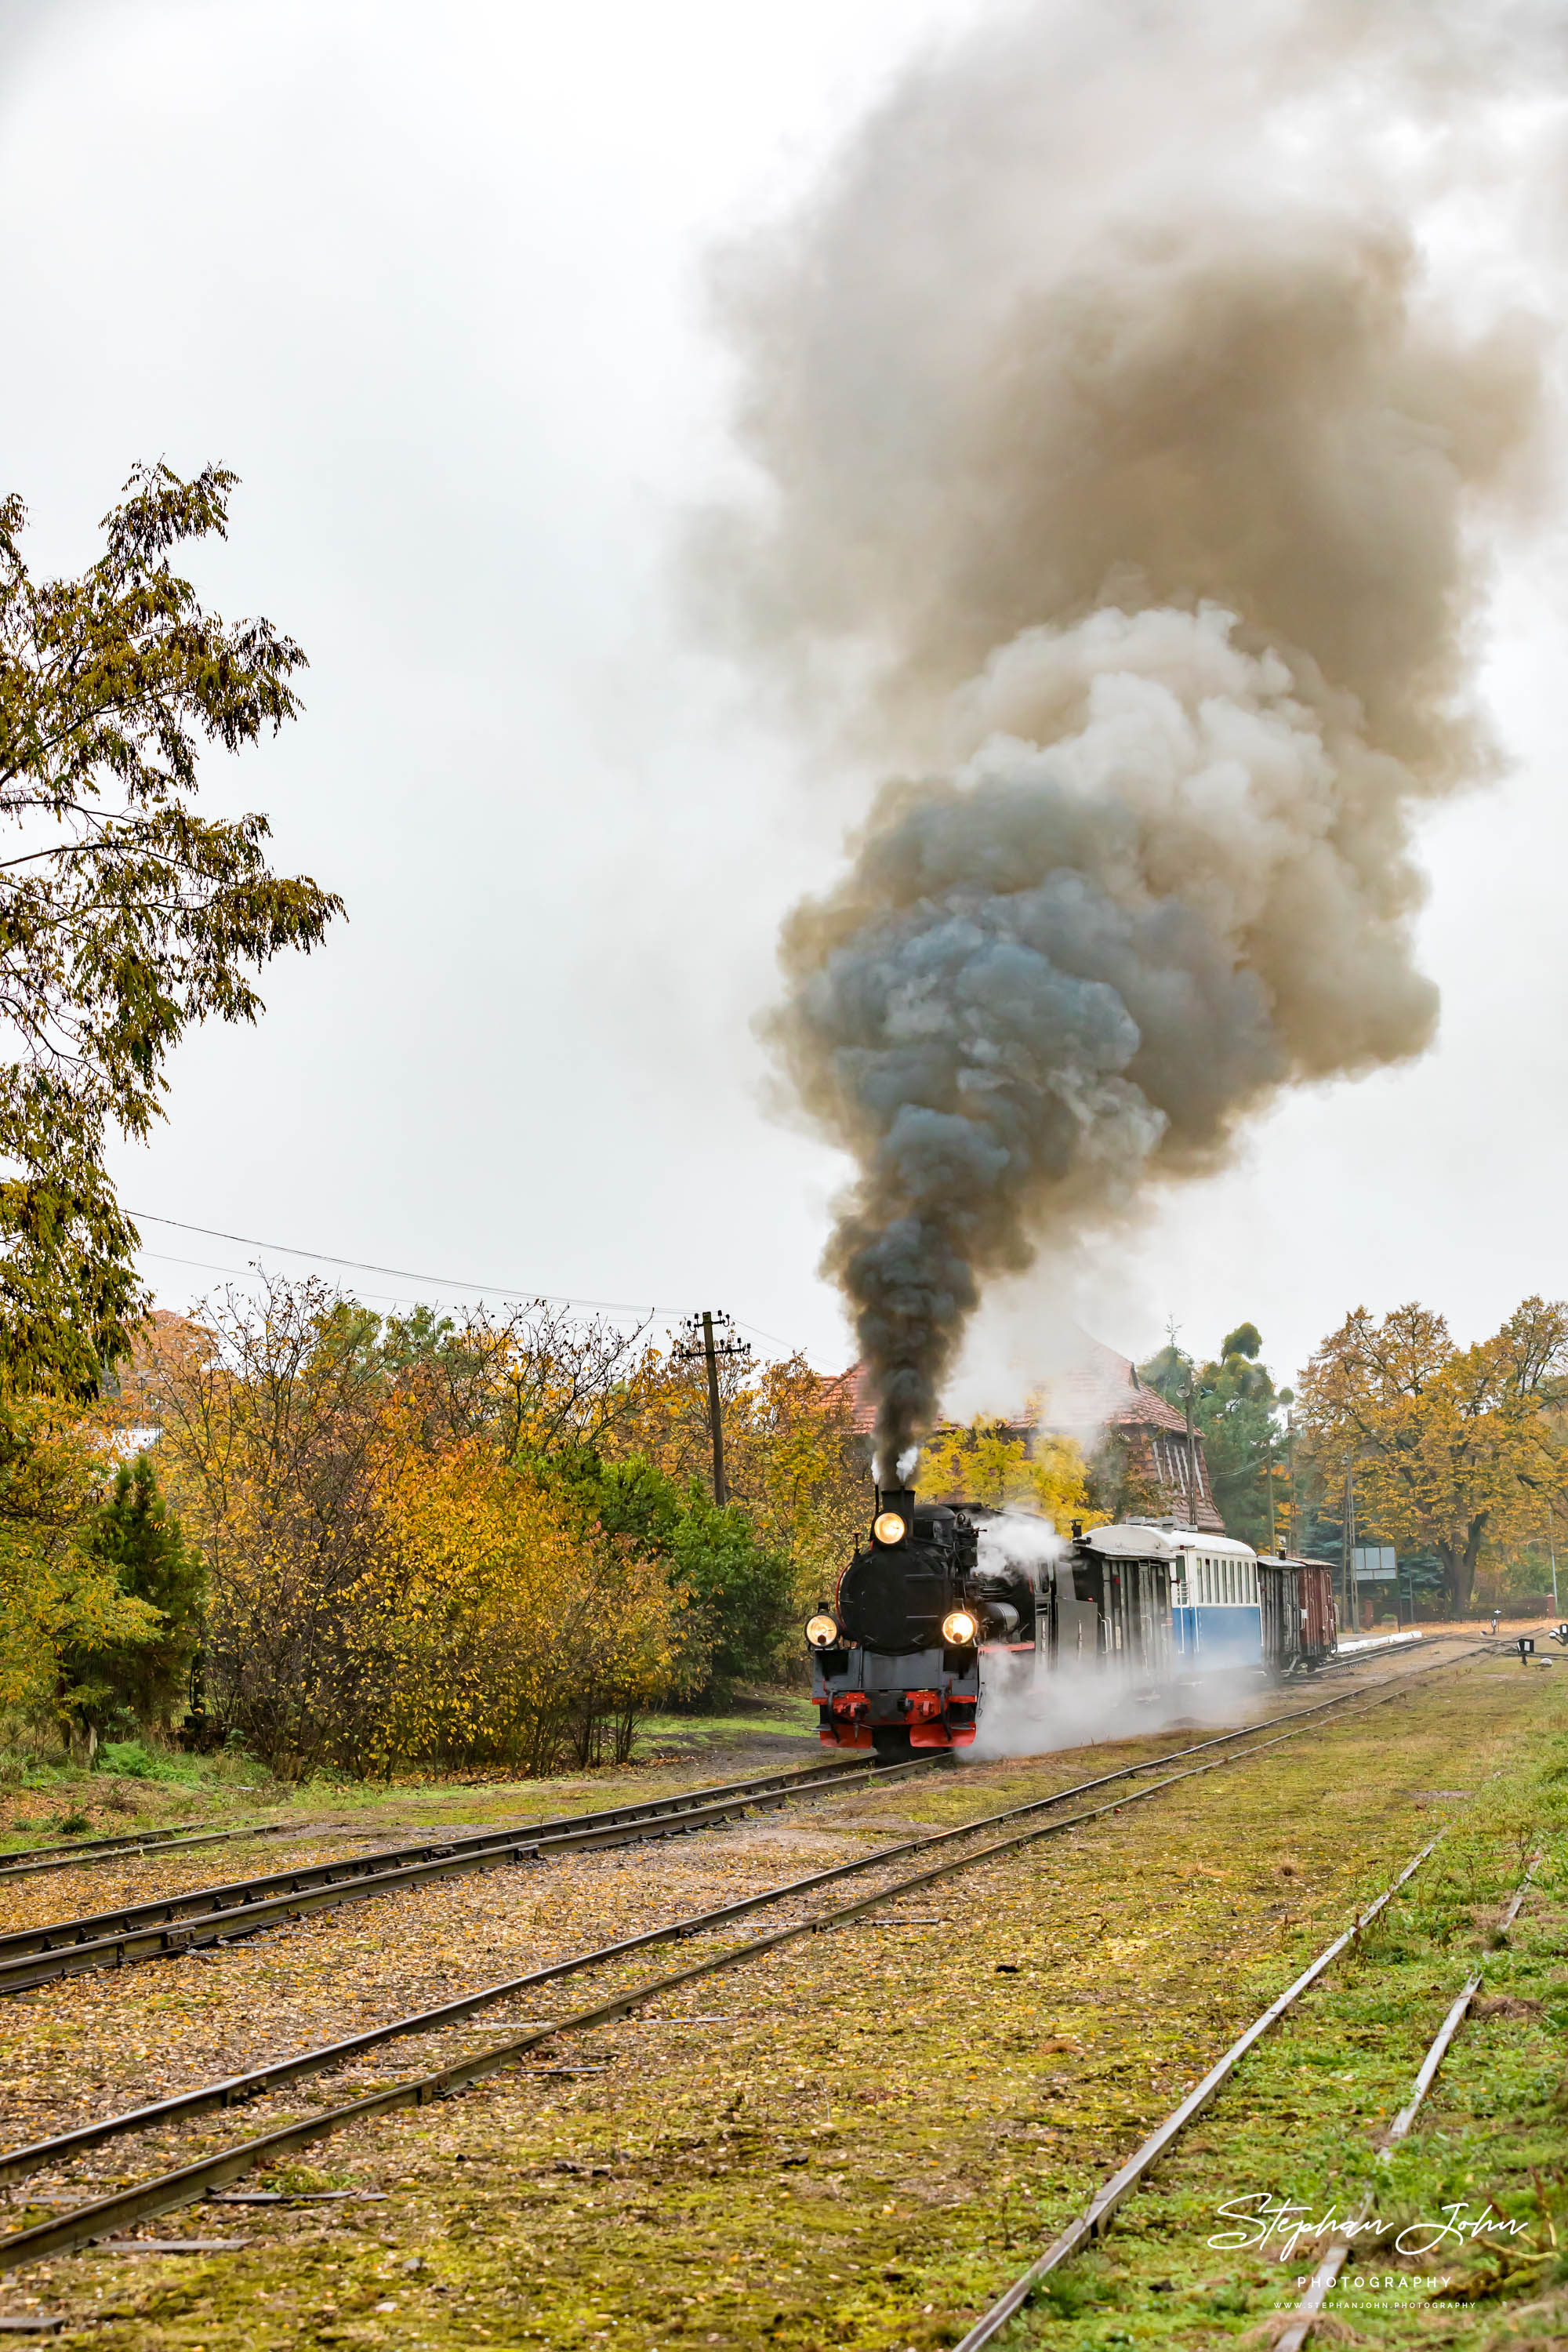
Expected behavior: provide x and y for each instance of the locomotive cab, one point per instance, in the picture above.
(896, 1656)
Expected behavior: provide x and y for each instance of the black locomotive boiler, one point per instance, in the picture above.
(896, 1656)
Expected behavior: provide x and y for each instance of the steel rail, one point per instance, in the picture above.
(1096, 2216)
(32, 1956)
(1321, 2285)
(33, 1862)
(87, 1847)
(29, 1859)
(234, 2090)
(163, 2194)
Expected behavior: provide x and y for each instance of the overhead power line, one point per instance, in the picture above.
(426, 1281)
(403, 1273)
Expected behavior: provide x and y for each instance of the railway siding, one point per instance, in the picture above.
(865, 2172)
(1466, 2239)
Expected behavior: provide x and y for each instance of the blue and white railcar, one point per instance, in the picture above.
(1216, 1618)
(1216, 1612)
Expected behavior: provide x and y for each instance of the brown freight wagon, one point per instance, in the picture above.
(1301, 1622)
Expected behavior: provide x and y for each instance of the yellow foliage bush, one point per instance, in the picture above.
(490, 1624)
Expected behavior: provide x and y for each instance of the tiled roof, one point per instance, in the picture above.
(1102, 1391)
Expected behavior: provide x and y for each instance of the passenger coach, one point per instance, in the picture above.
(1232, 1608)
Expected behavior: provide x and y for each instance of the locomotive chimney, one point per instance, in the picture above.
(898, 1498)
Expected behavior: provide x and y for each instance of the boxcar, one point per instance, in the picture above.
(1299, 1624)
(1319, 1616)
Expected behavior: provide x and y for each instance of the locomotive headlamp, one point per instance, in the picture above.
(821, 1631)
(888, 1528)
(959, 1628)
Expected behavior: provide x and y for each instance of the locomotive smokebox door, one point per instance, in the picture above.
(892, 1603)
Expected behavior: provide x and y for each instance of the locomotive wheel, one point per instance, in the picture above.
(892, 1740)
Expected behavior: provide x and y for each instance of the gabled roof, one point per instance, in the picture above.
(1103, 1392)
(854, 1388)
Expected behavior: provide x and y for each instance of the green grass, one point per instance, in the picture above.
(1300, 2121)
(793, 1716)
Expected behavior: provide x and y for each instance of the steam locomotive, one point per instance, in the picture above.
(944, 1603)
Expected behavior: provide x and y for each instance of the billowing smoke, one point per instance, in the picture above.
(1133, 406)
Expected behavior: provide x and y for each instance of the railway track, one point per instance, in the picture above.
(1321, 2284)
(32, 1862)
(205, 1915)
(1097, 2216)
(202, 1917)
(176, 1836)
(128, 2207)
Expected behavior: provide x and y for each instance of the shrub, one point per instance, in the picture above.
(492, 1625)
(131, 1761)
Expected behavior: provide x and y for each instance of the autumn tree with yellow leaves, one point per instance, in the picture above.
(390, 1576)
(1451, 1449)
(493, 1622)
(986, 1463)
(129, 913)
(269, 1416)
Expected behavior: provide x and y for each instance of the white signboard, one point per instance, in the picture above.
(1373, 1563)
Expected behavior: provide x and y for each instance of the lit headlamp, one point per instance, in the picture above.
(959, 1628)
(888, 1528)
(821, 1631)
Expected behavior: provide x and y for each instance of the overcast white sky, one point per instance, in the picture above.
(432, 281)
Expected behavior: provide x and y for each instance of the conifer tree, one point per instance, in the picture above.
(140, 1538)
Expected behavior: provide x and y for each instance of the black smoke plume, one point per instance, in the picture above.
(1126, 433)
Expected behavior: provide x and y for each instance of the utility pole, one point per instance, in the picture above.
(1269, 1473)
(1352, 1592)
(698, 1340)
(1292, 1538)
(1192, 1460)
(1552, 1547)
